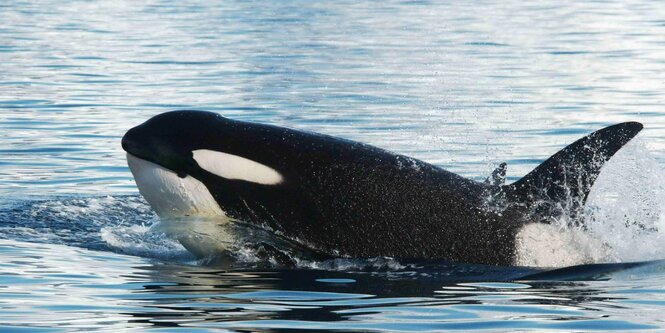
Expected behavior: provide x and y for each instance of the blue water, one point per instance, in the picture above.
(464, 85)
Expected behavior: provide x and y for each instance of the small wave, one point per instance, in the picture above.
(72, 221)
(139, 241)
(126, 224)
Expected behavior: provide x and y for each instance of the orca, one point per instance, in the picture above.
(344, 198)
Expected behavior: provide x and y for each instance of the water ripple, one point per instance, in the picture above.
(464, 85)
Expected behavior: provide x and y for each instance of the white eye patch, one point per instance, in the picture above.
(235, 167)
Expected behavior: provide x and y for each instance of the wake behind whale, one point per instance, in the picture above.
(337, 197)
(125, 224)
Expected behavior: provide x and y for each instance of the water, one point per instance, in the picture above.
(464, 85)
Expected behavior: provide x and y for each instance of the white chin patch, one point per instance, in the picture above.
(547, 245)
(170, 195)
(235, 167)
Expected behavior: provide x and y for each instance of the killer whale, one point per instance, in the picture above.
(346, 198)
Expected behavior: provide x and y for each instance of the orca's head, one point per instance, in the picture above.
(186, 163)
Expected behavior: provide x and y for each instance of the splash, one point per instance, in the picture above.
(625, 206)
(71, 221)
(622, 222)
(138, 240)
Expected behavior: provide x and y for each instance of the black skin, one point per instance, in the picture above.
(346, 198)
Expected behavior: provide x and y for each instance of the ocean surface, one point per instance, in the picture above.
(464, 85)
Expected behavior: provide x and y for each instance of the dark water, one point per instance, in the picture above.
(464, 85)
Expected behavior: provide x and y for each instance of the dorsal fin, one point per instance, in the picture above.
(498, 176)
(561, 184)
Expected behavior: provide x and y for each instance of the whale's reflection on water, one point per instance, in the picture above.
(70, 288)
(202, 236)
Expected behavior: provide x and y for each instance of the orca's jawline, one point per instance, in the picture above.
(170, 195)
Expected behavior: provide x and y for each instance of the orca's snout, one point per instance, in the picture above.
(129, 143)
(138, 144)
(169, 139)
(156, 143)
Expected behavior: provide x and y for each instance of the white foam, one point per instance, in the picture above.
(556, 245)
(627, 205)
(139, 240)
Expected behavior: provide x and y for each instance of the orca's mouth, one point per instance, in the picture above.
(170, 195)
(134, 157)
